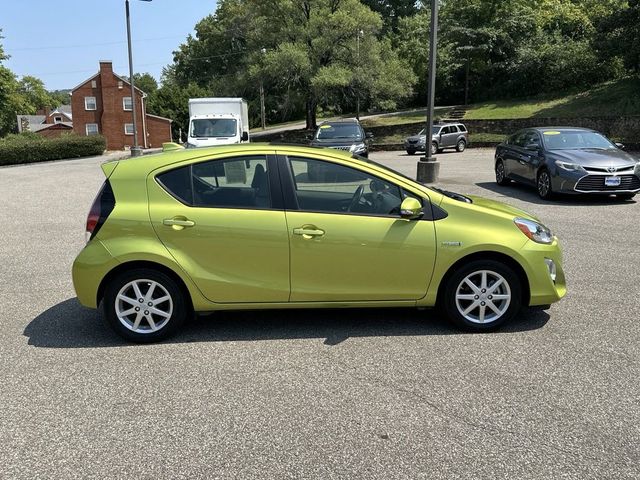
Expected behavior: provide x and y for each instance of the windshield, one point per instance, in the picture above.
(434, 131)
(339, 130)
(213, 127)
(575, 139)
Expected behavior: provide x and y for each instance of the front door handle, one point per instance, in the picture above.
(178, 223)
(308, 231)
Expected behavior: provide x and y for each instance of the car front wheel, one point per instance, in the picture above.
(434, 148)
(501, 174)
(144, 305)
(543, 183)
(482, 295)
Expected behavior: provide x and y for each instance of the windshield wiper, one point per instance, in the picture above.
(454, 195)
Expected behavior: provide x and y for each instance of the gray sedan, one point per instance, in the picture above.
(567, 160)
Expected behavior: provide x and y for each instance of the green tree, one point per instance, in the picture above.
(145, 82)
(619, 36)
(324, 53)
(34, 93)
(392, 11)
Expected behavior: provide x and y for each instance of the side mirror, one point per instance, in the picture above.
(532, 146)
(411, 209)
(245, 136)
(368, 135)
(620, 146)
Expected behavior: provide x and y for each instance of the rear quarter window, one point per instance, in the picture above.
(178, 183)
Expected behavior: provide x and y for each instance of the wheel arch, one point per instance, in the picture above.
(488, 255)
(123, 267)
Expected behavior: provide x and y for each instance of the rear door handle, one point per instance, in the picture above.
(178, 223)
(308, 232)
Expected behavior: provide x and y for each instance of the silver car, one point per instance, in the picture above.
(447, 135)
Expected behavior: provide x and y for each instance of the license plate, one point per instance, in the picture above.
(612, 181)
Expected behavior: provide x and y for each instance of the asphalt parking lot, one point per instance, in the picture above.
(324, 394)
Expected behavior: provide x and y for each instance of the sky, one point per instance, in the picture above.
(62, 42)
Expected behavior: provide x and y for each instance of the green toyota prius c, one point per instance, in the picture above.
(258, 226)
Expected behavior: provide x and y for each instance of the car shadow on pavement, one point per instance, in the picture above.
(70, 325)
(529, 194)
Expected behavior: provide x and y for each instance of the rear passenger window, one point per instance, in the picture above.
(241, 182)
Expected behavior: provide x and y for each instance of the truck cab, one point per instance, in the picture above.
(217, 121)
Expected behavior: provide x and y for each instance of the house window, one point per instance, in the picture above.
(91, 128)
(120, 85)
(94, 84)
(128, 128)
(127, 104)
(57, 119)
(90, 103)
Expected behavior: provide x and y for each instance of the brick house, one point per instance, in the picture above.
(102, 105)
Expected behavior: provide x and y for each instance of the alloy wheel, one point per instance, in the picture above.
(143, 306)
(500, 172)
(544, 184)
(483, 297)
(461, 146)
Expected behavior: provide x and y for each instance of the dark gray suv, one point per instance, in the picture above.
(446, 135)
(343, 135)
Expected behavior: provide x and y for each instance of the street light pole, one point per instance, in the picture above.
(136, 151)
(360, 32)
(262, 110)
(428, 167)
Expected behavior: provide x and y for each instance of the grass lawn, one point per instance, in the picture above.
(617, 98)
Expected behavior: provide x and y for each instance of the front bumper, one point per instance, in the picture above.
(535, 259)
(594, 183)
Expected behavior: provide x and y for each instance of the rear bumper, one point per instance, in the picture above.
(89, 268)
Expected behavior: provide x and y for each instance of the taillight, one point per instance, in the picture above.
(100, 210)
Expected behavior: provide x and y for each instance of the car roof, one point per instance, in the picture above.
(546, 129)
(152, 161)
(342, 120)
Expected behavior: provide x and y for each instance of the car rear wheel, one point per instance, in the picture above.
(434, 148)
(543, 184)
(461, 145)
(482, 295)
(144, 305)
(411, 152)
(501, 174)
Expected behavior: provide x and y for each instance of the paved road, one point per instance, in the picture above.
(328, 394)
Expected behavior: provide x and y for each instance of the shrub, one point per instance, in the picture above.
(30, 148)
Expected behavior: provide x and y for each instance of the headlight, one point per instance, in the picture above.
(570, 167)
(358, 147)
(534, 231)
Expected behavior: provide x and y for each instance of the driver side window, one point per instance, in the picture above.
(328, 187)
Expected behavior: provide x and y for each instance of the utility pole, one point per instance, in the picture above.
(428, 166)
(360, 33)
(135, 150)
(262, 111)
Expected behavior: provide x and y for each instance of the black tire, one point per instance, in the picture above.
(501, 175)
(411, 152)
(543, 185)
(461, 146)
(625, 196)
(165, 286)
(511, 285)
(434, 148)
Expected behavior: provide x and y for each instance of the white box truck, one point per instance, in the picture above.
(217, 121)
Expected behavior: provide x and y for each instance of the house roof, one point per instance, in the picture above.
(159, 117)
(45, 126)
(63, 110)
(32, 120)
(97, 75)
